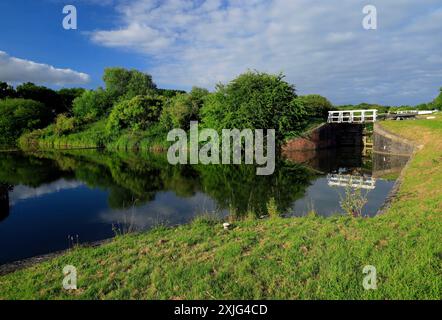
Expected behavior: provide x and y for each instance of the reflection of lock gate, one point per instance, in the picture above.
(348, 180)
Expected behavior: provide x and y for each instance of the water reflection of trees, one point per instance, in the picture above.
(135, 179)
(4, 200)
(239, 188)
(17, 168)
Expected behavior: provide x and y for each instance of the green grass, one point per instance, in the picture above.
(277, 258)
(93, 135)
(90, 136)
(152, 139)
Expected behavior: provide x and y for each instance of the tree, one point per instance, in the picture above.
(316, 106)
(47, 96)
(183, 108)
(126, 84)
(437, 103)
(136, 114)
(255, 100)
(20, 115)
(6, 91)
(92, 105)
(67, 97)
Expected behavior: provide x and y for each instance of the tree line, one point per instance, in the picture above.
(436, 104)
(130, 101)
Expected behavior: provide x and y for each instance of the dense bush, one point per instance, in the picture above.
(183, 108)
(67, 97)
(21, 115)
(257, 101)
(6, 91)
(124, 84)
(64, 124)
(316, 106)
(92, 104)
(47, 96)
(136, 114)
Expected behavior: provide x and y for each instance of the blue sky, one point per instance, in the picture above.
(320, 45)
(32, 30)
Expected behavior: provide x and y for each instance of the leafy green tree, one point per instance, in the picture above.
(126, 84)
(257, 101)
(21, 115)
(32, 171)
(47, 96)
(92, 104)
(183, 108)
(137, 113)
(316, 106)
(437, 103)
(67, 97)
(6, 91)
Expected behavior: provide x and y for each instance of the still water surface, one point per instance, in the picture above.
(89, 195)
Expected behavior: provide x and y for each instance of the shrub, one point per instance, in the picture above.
(183, 108)
(92, 105)
(20, 115)
(256, 101)
(136, 114)
(272, 208)
(316, 106)
(64, 125)
(353, 201)
(30, 140)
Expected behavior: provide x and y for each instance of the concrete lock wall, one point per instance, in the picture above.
(327, 136)
(346, 134)
(384, 164)
(389, 143)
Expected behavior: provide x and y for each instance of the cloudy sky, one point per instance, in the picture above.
(320, 45)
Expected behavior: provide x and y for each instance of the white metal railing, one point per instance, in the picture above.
(407, 112)
(348, 180)
(352, 116)
(420, 112)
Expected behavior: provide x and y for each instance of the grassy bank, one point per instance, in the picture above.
(299, 258)
(94, 135)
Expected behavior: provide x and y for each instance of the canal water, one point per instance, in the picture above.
(50, 201)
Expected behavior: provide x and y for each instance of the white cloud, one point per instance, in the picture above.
(146, 38)
(22, 192)
(15, 70)
(167, 208)
(320, 45)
